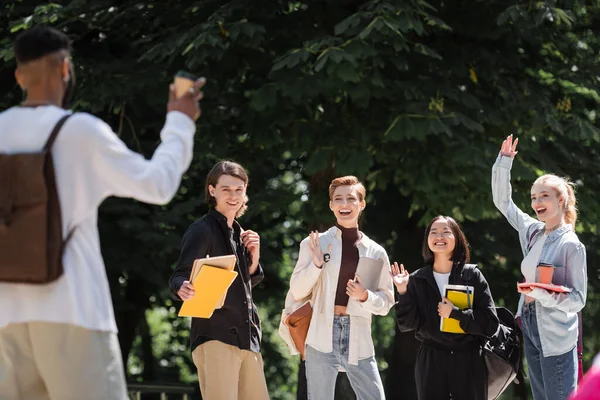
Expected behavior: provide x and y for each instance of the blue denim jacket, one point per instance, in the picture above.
(556, 312)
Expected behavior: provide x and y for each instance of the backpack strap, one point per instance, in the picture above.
(530, 242)
(55, 131)
(46, 149)
(468, 271)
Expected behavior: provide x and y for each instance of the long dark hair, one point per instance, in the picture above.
(461, 253)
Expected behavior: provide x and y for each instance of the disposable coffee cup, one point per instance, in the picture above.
(184, 81)
(545, 272)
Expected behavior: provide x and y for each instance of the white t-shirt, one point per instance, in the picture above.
(441, 280)
(91, 164)
(530, 262)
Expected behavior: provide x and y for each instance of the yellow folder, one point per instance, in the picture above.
(462, 297)
(211, 278)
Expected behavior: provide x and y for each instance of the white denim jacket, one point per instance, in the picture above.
(556, 312)
(307, 277)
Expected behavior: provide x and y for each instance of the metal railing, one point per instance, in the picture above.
(136, 390)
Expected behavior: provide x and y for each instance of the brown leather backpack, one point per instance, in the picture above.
(31, 241)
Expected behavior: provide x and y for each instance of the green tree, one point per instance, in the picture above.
(413, 97)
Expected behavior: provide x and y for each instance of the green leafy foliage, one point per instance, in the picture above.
(412, 97)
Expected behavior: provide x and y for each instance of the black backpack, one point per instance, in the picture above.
(502, 351)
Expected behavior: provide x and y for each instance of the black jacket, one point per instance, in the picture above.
(237, 322)
(417, 309)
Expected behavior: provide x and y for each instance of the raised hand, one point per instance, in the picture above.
(400, 276)
(315, 249)
(509, 148)
(188, 103)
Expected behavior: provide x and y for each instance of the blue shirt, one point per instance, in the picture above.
(556, 312)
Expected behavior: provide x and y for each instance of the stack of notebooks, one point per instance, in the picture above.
(211, 278)
(462, 297)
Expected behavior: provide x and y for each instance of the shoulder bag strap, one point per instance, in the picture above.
(55, 131)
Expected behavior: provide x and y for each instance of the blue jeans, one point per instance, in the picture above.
(554, 377)
(322, 368)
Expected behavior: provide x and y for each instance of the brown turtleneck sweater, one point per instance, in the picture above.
(350, 237)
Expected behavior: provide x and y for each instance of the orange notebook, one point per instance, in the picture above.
(211, 278)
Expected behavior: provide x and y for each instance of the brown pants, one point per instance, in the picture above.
(41, 361)
(227, 373)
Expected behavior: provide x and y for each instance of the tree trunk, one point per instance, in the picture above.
(401, 374)
(134, 304)
(148, 361)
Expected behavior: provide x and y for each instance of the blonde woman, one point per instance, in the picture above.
(549, 318)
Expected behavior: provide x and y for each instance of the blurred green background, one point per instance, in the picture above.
(412, 97)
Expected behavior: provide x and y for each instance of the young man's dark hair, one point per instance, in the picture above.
(461, 253)
(40, 41)
(41, 51)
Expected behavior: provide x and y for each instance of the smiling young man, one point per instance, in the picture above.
(225, 347)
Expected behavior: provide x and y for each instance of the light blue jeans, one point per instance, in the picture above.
(554, 377)
(322, 368)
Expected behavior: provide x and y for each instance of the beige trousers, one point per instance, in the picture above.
(227, 373)
(42, 361)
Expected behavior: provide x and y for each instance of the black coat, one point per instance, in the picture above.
(237, 322)
(417, 309)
